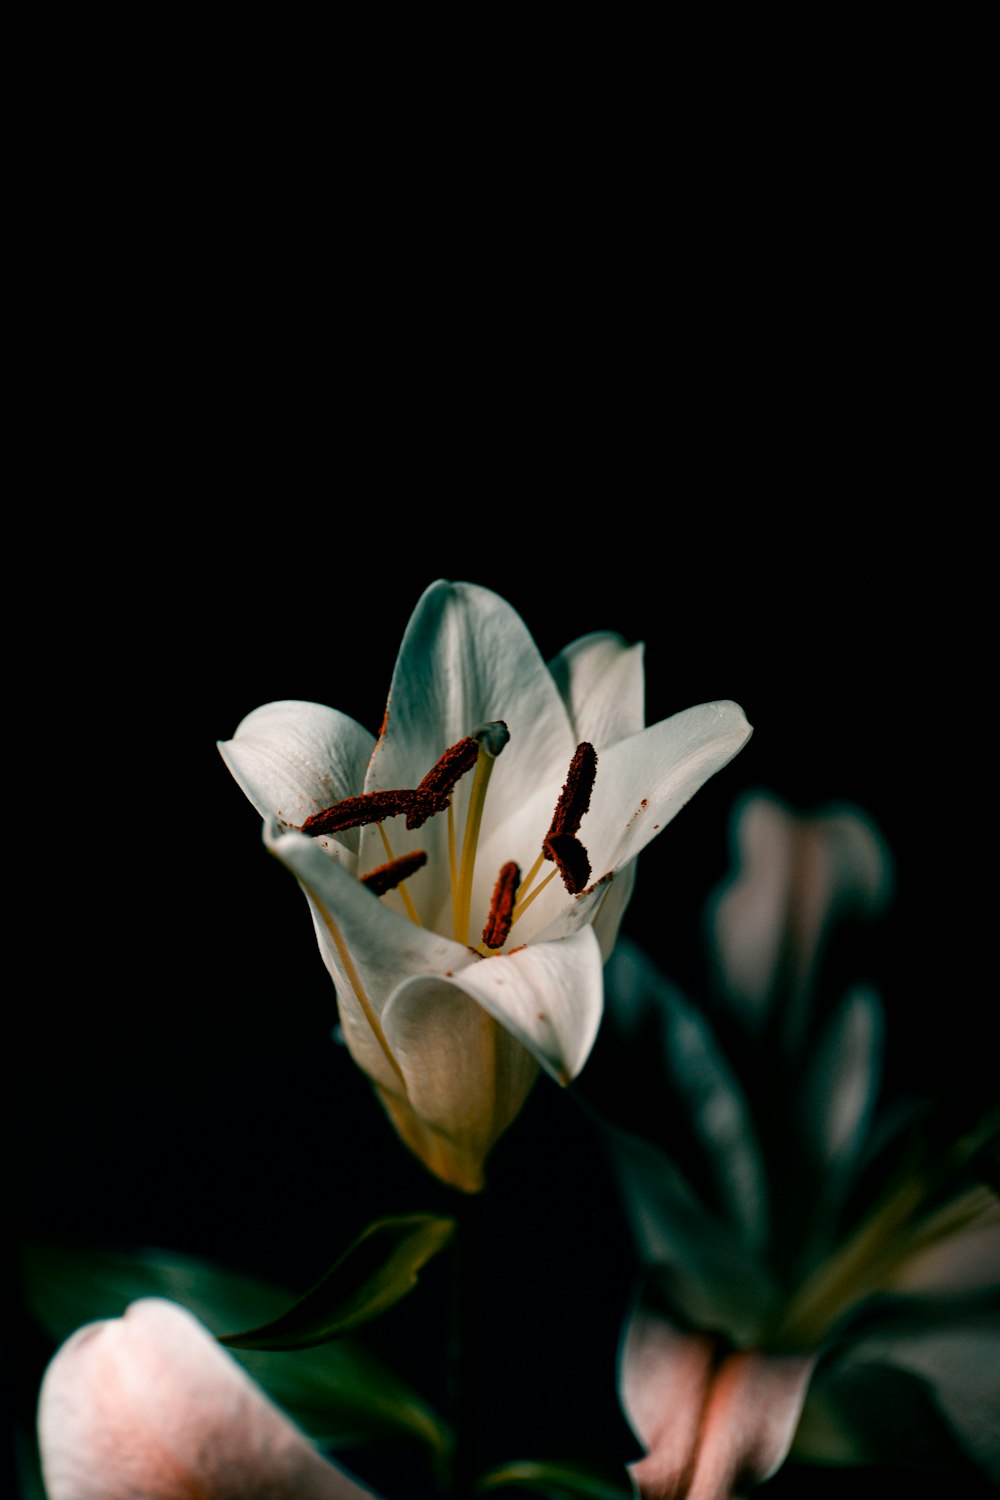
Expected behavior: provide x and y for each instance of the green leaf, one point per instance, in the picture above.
(562, 1481)
(878, 1414)
(379, 1268)
(339, 1394)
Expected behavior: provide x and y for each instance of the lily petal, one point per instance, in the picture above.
(292, 759)
(716, 1424)
(150, 1404)
(468, 659)
(466, 1076)
(794, 875)
(600, 679)
(368, 949)
(649, 777)
(842, 1080)
(642, 783)
(550, 996)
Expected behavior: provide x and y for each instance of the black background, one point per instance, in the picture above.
(754, 456)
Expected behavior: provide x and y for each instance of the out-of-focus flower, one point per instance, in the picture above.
(814, 1261)
(149, 1405)
(460, 966)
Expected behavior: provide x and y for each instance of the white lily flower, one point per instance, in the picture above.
(151, 1405)
(480, 960)
(813, 1270)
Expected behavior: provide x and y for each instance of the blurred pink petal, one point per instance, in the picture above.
(149, 1407)
(796, 875)
(715, 1424)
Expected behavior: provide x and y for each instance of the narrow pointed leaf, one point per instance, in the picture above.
(373, 1273)
(341, 1393)
(562, 1481)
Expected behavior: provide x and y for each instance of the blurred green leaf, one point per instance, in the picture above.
(339, 1393)
(562, 1481)
(878, 1414)
(374, 1272)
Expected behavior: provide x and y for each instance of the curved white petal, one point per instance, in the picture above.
(600, 678)
(466, 1075)
(549, 996)
(293, 759)
(720, 1424)
(641, 784)
(644, 781)
(467, 659)
(151, 1405)
(610, 909)
(368, 949)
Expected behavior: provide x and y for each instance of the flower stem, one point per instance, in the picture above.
(465, 1345)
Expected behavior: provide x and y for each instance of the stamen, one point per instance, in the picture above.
(529, 879)
(353, 812)
(498, 923)
(572, 858)
(525, 898)
(491, 738)
(574, 799)
(404, 895)
(433, 794)
(388, 876)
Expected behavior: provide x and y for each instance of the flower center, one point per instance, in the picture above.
(511, 896)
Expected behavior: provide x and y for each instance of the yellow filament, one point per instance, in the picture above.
(452, 867)
(521, 906)
(354, 981)
(411, 910)
(477, 799)
(531, 875)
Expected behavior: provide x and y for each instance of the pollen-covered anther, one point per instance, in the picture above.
(433, 793)
(574, 799)
(566, 851)
(386, 877)
(498, 923)
(353, 812)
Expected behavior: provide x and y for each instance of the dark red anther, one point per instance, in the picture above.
(498, 923)
(434, 792)
(386, 877)
(352, 812)
(574, 799)
(566, 851)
